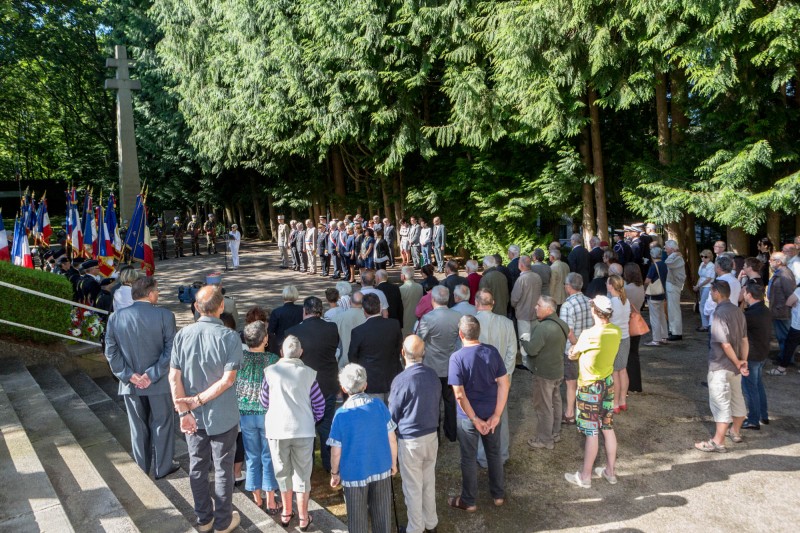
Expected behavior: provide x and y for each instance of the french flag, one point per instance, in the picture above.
(21, 251)
(105, 250)
(43, 229)
(5, 253)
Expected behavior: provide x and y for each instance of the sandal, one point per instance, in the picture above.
(734, 437)
(710, 446)
(455, 501)
(776, 372)
(272, 511)
(285, 523)
(308, 521)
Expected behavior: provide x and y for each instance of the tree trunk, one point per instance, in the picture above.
(401, 194)
(796, 227)
(229, 216)
(774, 227)
(242, 220)
(398, 203)
(256, 198)
(587, 197)
(339, 187)
(273, 219)
(597, 168)
(385, 191)
(662, 119)
(690, 247)
(680, 101)
(738, 241)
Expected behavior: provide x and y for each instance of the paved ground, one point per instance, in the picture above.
(665, 485)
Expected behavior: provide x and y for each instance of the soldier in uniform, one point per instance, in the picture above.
(89, 283)
(161, 235)
(283, 242)
(210, 227)
(194, 228)
(177, 237)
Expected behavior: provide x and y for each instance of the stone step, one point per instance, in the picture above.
(32, 505)
(86, 498)
(101, 393)
(149, 509)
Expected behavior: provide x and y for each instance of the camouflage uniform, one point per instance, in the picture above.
(194, 228)
(177, 237)
(161, 236)
(210, 227)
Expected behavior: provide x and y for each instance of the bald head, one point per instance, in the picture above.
(356, 299)
(413, 349)
(209, 301)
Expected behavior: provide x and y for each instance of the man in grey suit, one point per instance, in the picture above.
(439, 330)
(414, 233)
(138, 348)
(439, 240)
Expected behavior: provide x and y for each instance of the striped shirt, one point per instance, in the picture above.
(576, 311)
(317, 399)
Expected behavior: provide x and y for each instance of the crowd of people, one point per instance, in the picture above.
(433, 358)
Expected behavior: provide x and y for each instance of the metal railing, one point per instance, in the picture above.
(56, 299)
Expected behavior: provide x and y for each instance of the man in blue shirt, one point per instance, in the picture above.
(414, 405)
(205, 358)
(480, 383)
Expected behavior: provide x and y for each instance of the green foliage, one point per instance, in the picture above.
(32, 310)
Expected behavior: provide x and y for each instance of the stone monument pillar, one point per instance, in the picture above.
(129, 184)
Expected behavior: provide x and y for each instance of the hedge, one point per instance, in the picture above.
(31, 310)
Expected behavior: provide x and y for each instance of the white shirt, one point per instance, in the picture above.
(794, 266)
(379, 294)
(621, 315)
(795, 310)
(736, 288)
(236, 236)
(425, 236)
(123, 299)
(706, 272)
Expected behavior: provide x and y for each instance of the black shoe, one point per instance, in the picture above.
(765, 421)
(701, 329)
(174, 468)
(675, 338)
(283, 268)
(430, 530)
(748, 425)
(704, 384)
(401, 529)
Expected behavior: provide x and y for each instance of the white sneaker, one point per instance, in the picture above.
(600, 471)
(575, 479)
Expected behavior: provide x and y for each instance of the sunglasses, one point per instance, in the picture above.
(705, 257)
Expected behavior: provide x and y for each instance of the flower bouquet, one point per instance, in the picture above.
(86, 325)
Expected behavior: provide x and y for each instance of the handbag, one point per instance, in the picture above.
(637, 325)
(655, 288)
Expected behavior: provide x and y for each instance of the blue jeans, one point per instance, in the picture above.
(704, 293)
(468, 438)
(426, 255)
(754, 394)
(781, 331)
(258, 461)
(324, 429)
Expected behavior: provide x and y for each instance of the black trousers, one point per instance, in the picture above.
(449, 422)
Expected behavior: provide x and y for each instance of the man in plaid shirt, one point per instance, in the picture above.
(577, 313)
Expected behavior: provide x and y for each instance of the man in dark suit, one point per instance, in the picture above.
(333, 249)
(579, 260)
(513, 264)
(286, 316)
(439, 242)
(390, 235)
(596, 253)
(322, 250)
(319, 339)
(376, 345)
(414, 233)
(452, 279)
(392, 293)
(300, 244)
(138, 348)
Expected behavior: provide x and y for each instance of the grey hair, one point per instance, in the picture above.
(600, 270)
(344, 288)
(655, 251)
(461, 293)
(777, 256)
(353, 378)
(291, 349)
(594, 241)
(615, 268)
(726, 263)
(548, 302)
(128, 276)
(469, 327)
(381, 275)
(489, 261)
(576, 238)
(555, 253)
(538, 254)
(254, 333)
(290, 293)
(471, 266)
(408, 272)
(671, 244)
(440, 295)
(142, 287)
(525, 261)
(514, 250)
(574, 280)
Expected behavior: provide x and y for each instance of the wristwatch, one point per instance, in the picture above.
(184, 413)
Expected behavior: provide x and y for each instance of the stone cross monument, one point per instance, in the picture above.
(129, 184)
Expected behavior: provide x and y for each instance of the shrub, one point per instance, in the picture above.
(31, 310)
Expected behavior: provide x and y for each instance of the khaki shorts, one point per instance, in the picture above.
(725, 395)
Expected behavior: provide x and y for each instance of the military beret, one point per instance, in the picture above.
(91, 263)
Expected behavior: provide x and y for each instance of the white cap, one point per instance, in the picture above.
(602, 303)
